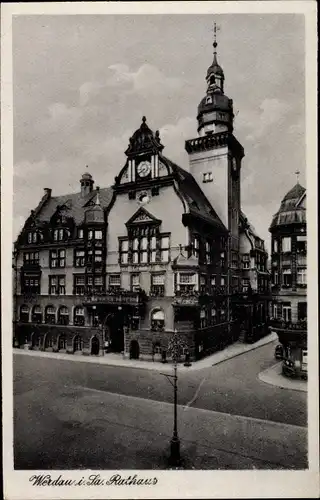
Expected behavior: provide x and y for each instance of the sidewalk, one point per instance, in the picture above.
(114, 359)
(273, 376)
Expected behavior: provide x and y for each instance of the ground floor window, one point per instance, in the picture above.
(78, 316)
(157, 320)
(63, 316)
(50, 315)
(24, 314)
(37, 314)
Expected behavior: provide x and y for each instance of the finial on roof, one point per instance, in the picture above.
(97, 199)
(215, 43)
(144, 119)
(297, 172)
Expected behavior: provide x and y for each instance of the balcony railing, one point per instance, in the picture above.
(186, 298)
(279, 324)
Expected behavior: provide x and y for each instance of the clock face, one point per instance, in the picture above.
(144, 168)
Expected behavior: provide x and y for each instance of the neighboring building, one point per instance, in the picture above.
(289, 278)
(161, 250)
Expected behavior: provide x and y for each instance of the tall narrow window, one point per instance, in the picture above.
(50, 315)
(124, 251)
(144, 250)
(246, 261)
(57, 258)
(164, 248)
(286, 311)
(36, 314)
(286, 244)
(286, 277)
(63, 315)
(208, 252)
(157, 284)
(24, 314)
(79, 258)
(301, 276)
(135, 282)
(79, 284)
(78, 316)
(114, 281)
(153, 249)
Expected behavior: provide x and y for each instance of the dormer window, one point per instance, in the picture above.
(60, 234)
(209, 99)
(80, 234)
(207, 177)
(34, 237)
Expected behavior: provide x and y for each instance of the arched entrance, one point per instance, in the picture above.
(134, 349)
(95, 346)
(114, 331)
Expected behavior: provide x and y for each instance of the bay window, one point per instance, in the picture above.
(286, 244)
(57, 258)
(186, 282)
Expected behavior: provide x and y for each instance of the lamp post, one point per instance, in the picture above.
(174, 347)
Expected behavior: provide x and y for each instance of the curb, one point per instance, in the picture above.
(272, 377)
(145, 365)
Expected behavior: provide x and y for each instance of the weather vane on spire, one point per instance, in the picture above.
(297, 172)
(215, 29)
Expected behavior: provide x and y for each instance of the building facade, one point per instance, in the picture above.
(289, 279)
(162, 250)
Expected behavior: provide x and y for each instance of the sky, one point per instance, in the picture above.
(81, 84)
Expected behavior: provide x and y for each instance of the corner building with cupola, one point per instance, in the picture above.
(163, 249)
(289, 280)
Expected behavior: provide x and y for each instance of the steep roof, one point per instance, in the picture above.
(75, 204)
(291, 211)
(193, 194)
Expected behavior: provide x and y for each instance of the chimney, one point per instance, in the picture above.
(47, 192)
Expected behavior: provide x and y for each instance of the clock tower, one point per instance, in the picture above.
(215, 155)
(143, 154)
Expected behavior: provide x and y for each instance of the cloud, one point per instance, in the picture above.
(148, 77)
(272, 112)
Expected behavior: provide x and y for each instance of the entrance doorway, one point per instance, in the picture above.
(114, 331)
(95, 346)
(134, 349)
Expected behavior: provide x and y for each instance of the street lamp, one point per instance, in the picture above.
(175, 345)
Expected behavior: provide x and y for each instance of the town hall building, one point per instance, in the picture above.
(162, 250)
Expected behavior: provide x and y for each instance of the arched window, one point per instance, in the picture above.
(50, 315)
(37, 314)
(78, 317)
(157, 320)
(209, 99)
(212, 80)
(63, 315)
(77, 343)
(24, 314)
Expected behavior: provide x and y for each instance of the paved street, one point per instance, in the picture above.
(99, 416)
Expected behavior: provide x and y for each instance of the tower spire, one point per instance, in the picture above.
(215, 43)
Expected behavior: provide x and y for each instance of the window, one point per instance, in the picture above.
(186, 282)
(164, 248)
(223, 315)
(245, 285)
(208, 252)
(57, 285)
(62, 342)
(286, 311)
(79, 284)
(301, 276)
(36, 314)
(302, 311)
(203, 284)
(135, 282)
(114, 281)
(31, 258)
(207, 177)
(275, 277)
(195, 246)
(246, 261)
(234, 260)
(301, 245)
(30, 284)
(203, 318)
(222, 281)
(275, 246)
(80, 234)
(223, 259)
(94, 235)
(78, 316)
(60, 234)
(124, 251)
(213, 282)
(286, 277)
(50, 315)
(145, 248)
(34, 237)
(63, 315)
(157, 285)
(213, 315)
(98, 257)
(29, 237)
(157, 320)
(24, 314)
(57, 258)
(79, 258)
(286, 244)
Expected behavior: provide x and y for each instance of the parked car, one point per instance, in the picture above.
(288, 368)
(278, 352)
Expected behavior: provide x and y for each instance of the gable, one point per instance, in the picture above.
(142, 216)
